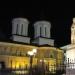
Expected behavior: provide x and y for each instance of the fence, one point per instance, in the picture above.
(37, 70)
(67, 68)
(70, 67)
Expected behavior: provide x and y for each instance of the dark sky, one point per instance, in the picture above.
(60, 16)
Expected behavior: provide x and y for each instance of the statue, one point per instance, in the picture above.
(73, 32)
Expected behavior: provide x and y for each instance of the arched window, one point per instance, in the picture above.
(51, 55)
(17, 29)
(40, 31)
(45, 32)
(21, 29)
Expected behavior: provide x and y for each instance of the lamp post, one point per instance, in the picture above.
(31, 54)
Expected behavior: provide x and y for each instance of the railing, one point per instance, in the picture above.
(70, 66)
(36, 70)
(7, 71)
(67, 68)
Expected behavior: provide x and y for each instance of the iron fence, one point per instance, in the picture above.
(66, 68)
(36, 70)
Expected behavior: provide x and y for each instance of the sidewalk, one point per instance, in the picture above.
(70, 72)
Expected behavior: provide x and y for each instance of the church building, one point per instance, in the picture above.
(70, 49)
(17, 54)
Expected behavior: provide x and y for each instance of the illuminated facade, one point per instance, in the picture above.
(14, 55)
(70, 49)
(73, 32)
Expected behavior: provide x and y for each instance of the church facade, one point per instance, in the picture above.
(70, 49)
(15, 55)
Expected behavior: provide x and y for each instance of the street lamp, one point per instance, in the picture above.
(31, 54)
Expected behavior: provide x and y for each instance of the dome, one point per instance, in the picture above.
(20, 19)
(42, 23)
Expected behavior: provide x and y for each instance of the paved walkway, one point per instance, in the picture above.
(70, 72)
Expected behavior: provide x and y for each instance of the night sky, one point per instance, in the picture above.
(59, 15)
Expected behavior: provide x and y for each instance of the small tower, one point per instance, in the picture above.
(42, 33)
(73, 32)
(70, 49)
(20, 30)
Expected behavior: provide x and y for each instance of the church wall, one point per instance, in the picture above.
(16, 62)
(71, 55)
(15, 55)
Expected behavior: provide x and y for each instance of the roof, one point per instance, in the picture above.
(67, 47)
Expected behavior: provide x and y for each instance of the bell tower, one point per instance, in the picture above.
(20, 30)
(73, 32)
(42, 33)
